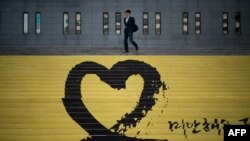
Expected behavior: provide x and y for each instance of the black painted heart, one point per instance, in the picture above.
(116, 78)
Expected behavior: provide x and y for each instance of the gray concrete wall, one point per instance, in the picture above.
(11, 32)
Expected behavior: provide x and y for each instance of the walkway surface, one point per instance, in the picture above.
(118, 51)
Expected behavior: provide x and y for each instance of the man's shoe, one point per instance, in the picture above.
(125, 52)
(136, 48)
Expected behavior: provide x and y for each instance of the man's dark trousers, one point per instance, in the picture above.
(131, 40)
(128, 33)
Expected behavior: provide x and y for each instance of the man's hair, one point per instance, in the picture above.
(128, 11)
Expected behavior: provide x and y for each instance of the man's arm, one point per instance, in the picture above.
(133, 21)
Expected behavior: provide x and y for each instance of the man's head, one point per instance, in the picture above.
(127, 12)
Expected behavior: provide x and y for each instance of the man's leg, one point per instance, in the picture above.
(126, 41)
(131, 40)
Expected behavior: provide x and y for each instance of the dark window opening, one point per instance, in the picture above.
(38, 23)
(78, 23)
(185, 23)
(225, 23)
(118, 23)
(105, 23)
(25, 23)
(65, 23)
(197, 23)
(145, 22)
(157, 23)
(237, 23)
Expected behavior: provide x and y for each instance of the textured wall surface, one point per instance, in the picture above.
(199, 95)
(122, 98)
(171, 32)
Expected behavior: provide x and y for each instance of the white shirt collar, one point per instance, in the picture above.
(127, 18)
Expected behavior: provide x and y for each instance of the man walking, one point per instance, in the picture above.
(129, 23)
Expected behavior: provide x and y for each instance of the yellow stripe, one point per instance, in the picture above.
(212, 87)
